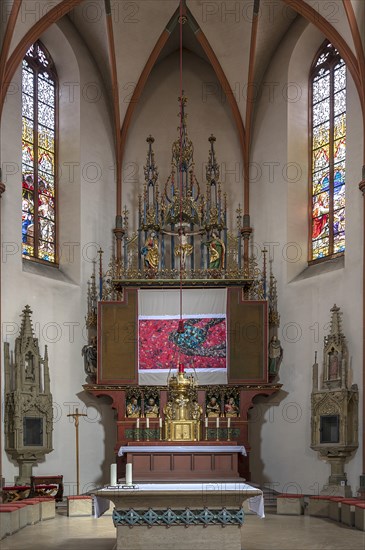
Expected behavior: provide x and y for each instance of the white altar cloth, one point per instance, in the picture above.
(183, 449)
(255, 502)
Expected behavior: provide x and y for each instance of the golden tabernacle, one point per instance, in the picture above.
(182, 411)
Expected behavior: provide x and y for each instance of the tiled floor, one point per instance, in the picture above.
(273, 532)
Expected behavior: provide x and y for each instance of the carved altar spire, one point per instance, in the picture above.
(335, 353)
(28, 400)
(26, 328)
(336, 329)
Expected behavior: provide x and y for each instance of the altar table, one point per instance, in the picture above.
(208, 516)
(170, 462)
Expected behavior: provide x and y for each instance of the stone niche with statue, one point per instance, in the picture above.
(335, 409)
(28, 401)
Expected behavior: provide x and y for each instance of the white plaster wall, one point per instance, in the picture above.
(280, 435)
(58, 297)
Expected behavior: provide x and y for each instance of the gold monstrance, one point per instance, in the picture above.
(182, 411)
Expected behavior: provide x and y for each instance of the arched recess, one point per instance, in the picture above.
(57, 40)
(51, 17)
(298, 156)
(223, 81)
(352, 63)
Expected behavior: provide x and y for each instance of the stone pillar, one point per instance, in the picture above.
(362, 477)
(2, 190)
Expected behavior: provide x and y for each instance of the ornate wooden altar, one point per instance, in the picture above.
(183, 241)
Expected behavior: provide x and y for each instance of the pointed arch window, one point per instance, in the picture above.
(39, 155)
(328, 152)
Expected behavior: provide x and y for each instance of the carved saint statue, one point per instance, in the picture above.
(168, 410)
(217, 251)
(275, 356)
(151, 409)
(133, 409)
(89, 352)
(213, 408)
(230, 408)
(150, 252)
(333, 365)
(196, 410)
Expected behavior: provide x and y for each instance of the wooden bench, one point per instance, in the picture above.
(47, 486)
(13, 493)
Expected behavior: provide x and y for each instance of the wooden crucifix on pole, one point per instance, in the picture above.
(76, 415)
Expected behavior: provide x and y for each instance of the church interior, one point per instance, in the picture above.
(182, 228)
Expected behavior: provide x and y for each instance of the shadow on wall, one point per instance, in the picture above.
(100, 413)
(265, 410)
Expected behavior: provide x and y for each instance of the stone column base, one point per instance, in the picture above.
(337, 490)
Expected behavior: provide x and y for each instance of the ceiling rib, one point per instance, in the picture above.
(29, 38)
(7, 38)
(335, 38)
(116, 111)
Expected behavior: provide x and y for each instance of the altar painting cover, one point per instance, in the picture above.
(202, 345)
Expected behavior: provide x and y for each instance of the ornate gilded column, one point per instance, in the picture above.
(2, 189)
(362, 477)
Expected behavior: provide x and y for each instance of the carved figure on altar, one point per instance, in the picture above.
(183, 249)
(275, 356)
(213, 408)
(150, 252)
(168, 410)
(230, 407)
(151, 409)
(90, 355)
(196, 410)
(333, 365)
(217, 252)
(133, 408)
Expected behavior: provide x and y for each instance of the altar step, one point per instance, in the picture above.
(269, 497)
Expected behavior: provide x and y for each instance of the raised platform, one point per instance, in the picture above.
(166, 461)
(194, 511)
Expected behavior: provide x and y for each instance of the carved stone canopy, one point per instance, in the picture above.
(28, 401)
(334, 418)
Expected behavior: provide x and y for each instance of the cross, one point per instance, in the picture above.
(76, 415)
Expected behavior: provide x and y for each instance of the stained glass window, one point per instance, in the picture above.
(328, 108)
(39, 94)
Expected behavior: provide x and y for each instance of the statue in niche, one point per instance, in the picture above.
(168, 410)
(90, 354)
(196, 410)
(230, 407)
(151, 409)
(213, 408)
(133, 409)
(217, 252)
(29, 368)
(150, 252)
(275, 356)
(333, 365)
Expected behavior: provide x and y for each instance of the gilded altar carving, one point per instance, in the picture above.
(182, 411)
